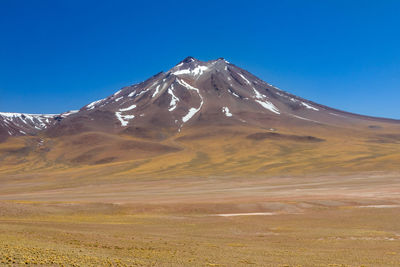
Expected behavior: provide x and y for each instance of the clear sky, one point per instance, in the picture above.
(60, 55)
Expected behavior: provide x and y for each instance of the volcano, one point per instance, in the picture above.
(200, 93)
(220, 114)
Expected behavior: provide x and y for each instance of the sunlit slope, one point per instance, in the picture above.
(202, 150)
(200, 118)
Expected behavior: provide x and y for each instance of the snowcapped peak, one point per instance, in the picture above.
(21, 123)
(196, 71)
(189, 59)
(195, 68)
(221, 59)
(187, 62)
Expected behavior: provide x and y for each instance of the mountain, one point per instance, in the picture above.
(204, 115)
(15, 124)
(19, 124)
(200, 93)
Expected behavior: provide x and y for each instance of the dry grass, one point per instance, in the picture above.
(319, 236)
(154, 203)
(205, 151)
(317, 221)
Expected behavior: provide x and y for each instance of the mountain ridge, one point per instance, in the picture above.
(203, 117)
(223, 77)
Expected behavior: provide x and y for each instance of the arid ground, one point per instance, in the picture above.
(319, 220)
(244, 185)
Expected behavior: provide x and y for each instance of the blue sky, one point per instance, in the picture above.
(60, 55)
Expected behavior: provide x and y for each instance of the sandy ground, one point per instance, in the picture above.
(218, 221)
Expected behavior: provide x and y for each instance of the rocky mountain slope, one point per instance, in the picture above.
(20, 124)
(202, 115)
(199, 93)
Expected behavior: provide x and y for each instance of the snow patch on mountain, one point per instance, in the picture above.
(233, 93)
(93, 104)
(174, 99)
(226, 111)
(309, 106)
(244, 78)
(68, 113)
(197, 71)
(268, 105)
(156, 91)
(192, 111)
(128, 108)
(26, 121)
(124, 119)
(260, 99)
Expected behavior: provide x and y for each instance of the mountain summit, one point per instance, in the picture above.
(193, 92)
(196, 92)
(200, 116)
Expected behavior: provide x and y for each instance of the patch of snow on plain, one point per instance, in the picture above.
(226, 111)
(245, 214)
(380, 206)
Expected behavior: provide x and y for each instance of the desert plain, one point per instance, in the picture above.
(313, 220)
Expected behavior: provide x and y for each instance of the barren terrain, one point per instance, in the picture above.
(348, 220)
(202, 165)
